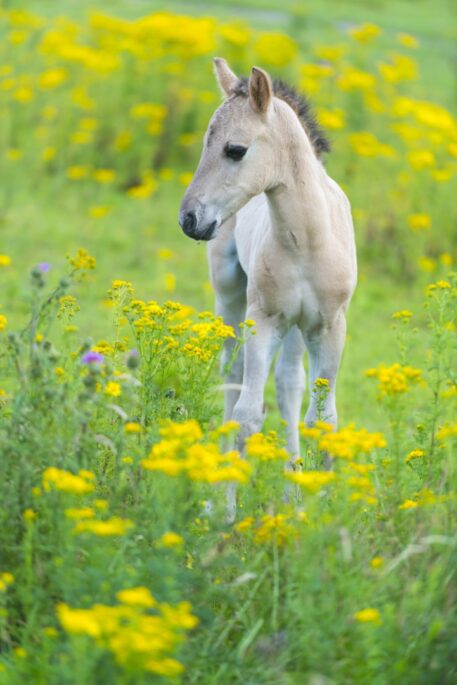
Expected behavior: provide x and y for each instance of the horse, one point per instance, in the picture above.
(281, 249)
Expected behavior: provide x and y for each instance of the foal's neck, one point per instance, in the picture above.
(297, 202)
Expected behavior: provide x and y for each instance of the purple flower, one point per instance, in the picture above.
(133, 359)
(92, 358)
(44, 267)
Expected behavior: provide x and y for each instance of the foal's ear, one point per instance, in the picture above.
(260, 90)
(226, 79)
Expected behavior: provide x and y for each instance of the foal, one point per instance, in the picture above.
(282, 246)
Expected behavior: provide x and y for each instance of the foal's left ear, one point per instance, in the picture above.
(260, 90)
(225, 76)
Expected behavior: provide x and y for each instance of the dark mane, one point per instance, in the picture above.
(302, 108)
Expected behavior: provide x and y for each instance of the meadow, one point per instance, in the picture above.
(111, 434)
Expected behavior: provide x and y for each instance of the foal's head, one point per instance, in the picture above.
(239, 154)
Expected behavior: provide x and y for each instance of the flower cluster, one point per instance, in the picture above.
(395, 379)
(140, 632)
(182, 451)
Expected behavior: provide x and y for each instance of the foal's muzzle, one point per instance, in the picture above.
(189, 225)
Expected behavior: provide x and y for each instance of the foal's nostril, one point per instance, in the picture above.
(190, 222)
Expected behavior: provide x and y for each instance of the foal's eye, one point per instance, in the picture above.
(235, 152)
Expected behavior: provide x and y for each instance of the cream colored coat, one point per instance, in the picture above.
(281, 251)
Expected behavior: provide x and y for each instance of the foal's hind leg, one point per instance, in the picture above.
(325, 349)
(290, 385)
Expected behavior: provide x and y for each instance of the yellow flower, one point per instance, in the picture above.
(245, 524)
(394, 379)
(421, 159)
(78, 621)
(67, 482)
(5, 260)
(48, 153)
(82, 260)
(77, 172)
(99, 211)
(52, 78)
(171, 539)
(113, 526)
(368, 616)
(277, 529)
(136, 596)
(415, 454)
(365, 33)
(332, 119)
(312, 480)
(322, 383)
(403, 315)
(104, 175)
(275, 49)
(265, 447)
(427, 264)
(170, 282)
(81, 513)
(348, 442)
(185, 178)
(407, 40)
(113, 389)
(6, 578)
(409, 504)
(419, 222)
(446, 259)
(3, 322)
(377, 562)
(132, 427)
(29, 515)
(13, 154)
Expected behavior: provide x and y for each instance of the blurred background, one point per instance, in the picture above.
(102, 111)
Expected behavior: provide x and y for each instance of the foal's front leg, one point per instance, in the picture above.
(249, 410)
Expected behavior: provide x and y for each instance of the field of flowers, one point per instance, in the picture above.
(113, 569)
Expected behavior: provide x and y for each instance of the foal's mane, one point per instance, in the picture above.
(302, 108)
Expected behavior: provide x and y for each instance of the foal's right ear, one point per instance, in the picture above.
(260, 90)
(226, 79)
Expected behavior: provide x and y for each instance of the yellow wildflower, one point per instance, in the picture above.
(82, 260)
(113, 389)
(113, 526)
(409, 504)
(368, 616)
(415, 454)
(377, 562)
(171, 539)
(365, 33)
(78, 621)
(403, 315)
(66, 481)
(419, 222)
(312, 480)
(81, 513)
(136, 596)
(132, 427)
(395, 379)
